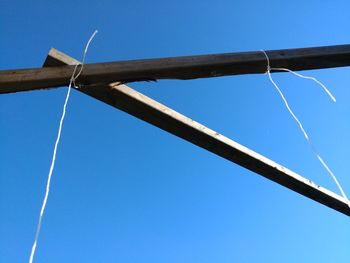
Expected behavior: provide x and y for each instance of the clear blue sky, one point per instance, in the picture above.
(125, 191)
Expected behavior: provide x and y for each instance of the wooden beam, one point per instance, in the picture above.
(130, 101)
(191, 67)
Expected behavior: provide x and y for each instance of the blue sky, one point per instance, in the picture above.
(125, 191)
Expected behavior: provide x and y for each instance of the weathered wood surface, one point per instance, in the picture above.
(130, 101)
(190, 67)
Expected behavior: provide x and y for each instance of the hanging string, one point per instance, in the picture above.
(313, 148)
(75, 75)
(308, 77)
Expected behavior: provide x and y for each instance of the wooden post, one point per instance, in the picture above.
(130, 101)
(191, 67)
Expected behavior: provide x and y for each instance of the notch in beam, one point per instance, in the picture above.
(190, 67)
(135, 103)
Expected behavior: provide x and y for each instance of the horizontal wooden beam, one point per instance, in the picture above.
(191, 67)
(130, 101)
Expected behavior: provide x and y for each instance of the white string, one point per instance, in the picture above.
(84, 55)
(308, 77)
(72, 81)
(323, 163)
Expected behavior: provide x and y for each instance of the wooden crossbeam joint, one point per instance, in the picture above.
(130, 101)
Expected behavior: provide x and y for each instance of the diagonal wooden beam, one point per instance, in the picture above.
(130, 101)
(191, 67)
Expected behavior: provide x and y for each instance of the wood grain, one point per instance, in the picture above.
(190, 67)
